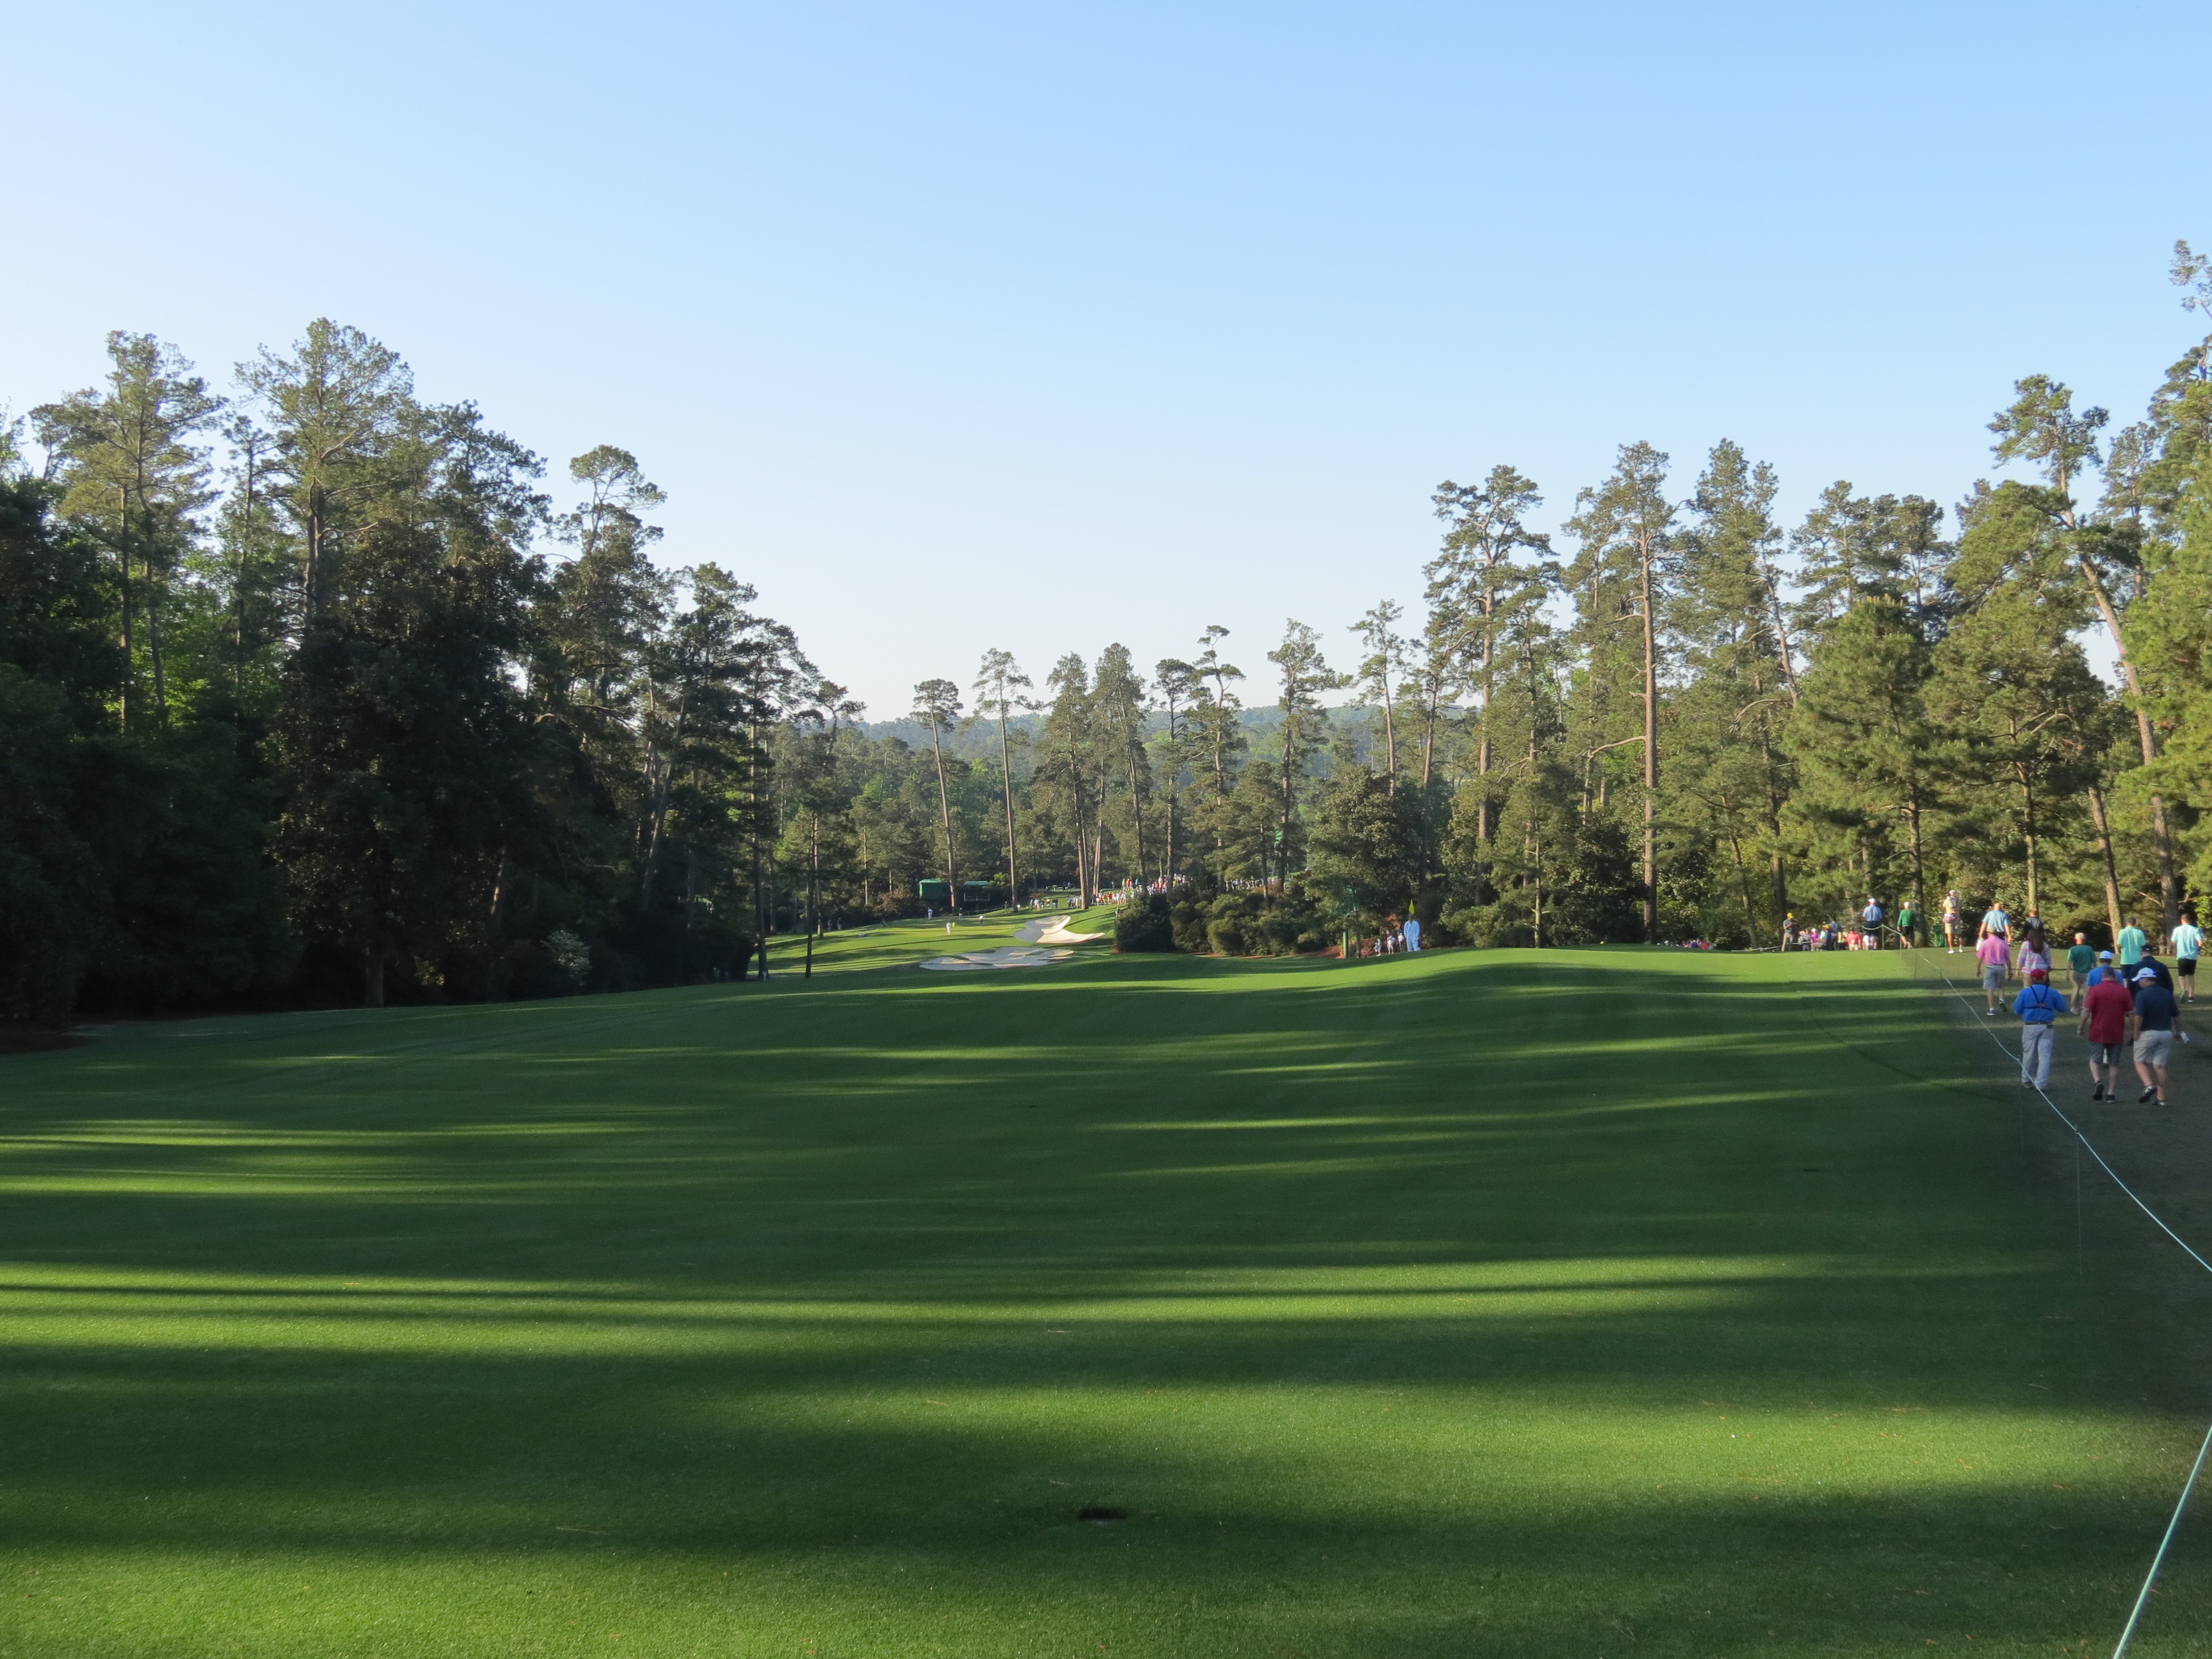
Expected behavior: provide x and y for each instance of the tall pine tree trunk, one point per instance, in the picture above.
(1137, 814)
(2103, 829)
(130, 646)
(945, 818)
(1006, 779)
(2169, 896)
(154, 638)
(1650, 749)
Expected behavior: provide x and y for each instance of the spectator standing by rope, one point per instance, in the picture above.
(1908, 920)
(1870, 922)
(2038, 1007)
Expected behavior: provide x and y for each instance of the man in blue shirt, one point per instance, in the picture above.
(2102, 971)
(2038, 1007)
(2132, 942)
(1994, 921)
(2156, 1013)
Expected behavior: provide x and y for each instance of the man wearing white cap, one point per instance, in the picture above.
(2155, 1014)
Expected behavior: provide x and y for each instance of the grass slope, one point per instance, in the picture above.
(1597, 1302)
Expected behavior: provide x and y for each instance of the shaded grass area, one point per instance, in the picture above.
(1608, 1301)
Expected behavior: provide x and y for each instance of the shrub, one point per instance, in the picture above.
(1144, 924)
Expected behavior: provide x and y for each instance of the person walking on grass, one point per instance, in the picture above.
(2108, 1018)
(2155, 1014)
(2081, 962)
(2130, 942)
(2187, 943)
(1992, 954)
(1908, 918)
(2034, 954)
(2038, 1007)
(1995, 919)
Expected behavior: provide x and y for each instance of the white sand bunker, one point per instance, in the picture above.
(1006, 956)
(1052, 930)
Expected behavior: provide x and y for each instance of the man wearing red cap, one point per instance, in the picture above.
(2038, 1007)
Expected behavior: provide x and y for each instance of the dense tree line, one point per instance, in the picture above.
(1684, 719)
(370, 711)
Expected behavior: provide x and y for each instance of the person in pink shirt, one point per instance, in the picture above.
(1992, 954)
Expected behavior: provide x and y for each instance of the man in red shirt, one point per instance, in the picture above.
(2108, 1017)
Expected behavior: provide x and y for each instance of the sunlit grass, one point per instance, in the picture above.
(1601, 1303)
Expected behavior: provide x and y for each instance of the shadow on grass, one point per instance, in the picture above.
(904, 1272)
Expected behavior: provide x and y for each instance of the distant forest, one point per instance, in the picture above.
(313, 692)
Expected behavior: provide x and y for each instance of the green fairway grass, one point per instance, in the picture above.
(1602, 1303)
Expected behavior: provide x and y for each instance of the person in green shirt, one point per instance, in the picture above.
(1907, 919)
(2081, 957)
(2132, 942)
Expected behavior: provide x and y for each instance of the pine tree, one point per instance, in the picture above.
(999, 688)
(130, 462)
(1217, 716)
(2041, 427)
(402, 740)
(936, 707)
(1869, 757)
(1626, 526)
(1729, 764)
(1492, 569)
(1302, 675)
(349, 440)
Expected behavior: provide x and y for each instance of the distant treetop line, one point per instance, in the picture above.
(312, 693)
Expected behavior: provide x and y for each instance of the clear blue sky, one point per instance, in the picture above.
(1044, 325)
